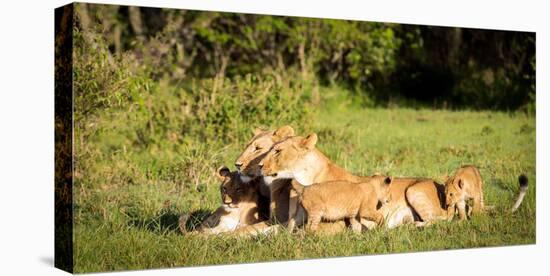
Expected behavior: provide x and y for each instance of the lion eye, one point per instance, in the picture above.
(277, 151)
(257, 148)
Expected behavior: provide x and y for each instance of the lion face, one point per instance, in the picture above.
(453, 191)
(233, 190)
(382, 184)
(257, 148)
(287, 156)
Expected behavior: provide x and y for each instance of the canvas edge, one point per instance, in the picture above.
(64, 242)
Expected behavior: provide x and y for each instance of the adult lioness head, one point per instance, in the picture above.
(233, 190)
(288, 156)
(259, 145)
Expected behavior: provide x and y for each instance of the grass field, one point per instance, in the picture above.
(128, 202)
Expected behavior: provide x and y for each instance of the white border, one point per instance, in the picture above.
(26, 139)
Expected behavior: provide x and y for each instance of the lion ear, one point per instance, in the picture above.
(223, 172)
(257, 130)
(283, 132)
(460, 184)
(388, 180)
(310, 141)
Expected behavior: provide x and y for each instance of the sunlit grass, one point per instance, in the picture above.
(127, 202)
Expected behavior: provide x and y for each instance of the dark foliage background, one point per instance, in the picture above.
(385, 63)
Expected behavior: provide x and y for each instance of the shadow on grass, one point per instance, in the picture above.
(168, 220)
(191, 222)
(501, 185)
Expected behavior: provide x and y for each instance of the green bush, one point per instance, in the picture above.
(385, 63)
(132, 127)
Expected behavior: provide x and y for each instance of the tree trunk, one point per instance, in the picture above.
(302, 58)
(83, 15)
(135, 20)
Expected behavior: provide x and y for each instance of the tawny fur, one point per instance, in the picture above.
(298, 158)
(241, 205)
(466, 184)
(432, 201)
(247, 163)
(337, 200)
(257, 147)
(426, 197)
(279, 190)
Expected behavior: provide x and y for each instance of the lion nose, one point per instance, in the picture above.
(238, 165)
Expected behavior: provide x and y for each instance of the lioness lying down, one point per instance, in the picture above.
(247, 165)
(277, 190)
(337, 200)
(466, 184)
(413, 200)
(242, 205)
(297, 158)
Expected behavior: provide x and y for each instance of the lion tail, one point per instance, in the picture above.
(523, 184)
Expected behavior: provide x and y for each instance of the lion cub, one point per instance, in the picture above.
(242, 205)
(466, 184)
(337, 200)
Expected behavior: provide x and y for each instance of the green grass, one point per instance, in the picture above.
(128, 200)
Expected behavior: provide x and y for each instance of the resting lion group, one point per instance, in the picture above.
(282, 181)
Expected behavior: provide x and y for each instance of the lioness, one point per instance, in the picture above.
(297, 158)
(418, 200)
(426, 198)
(278, 189)
(241, 205)
(337, 200)
(247, 165)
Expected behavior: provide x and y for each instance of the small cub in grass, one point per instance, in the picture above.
(242, 205)
(337, 200)
(466, 184)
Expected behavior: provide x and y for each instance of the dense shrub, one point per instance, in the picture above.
(384, 63)
(132, 125)
(199, 106)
